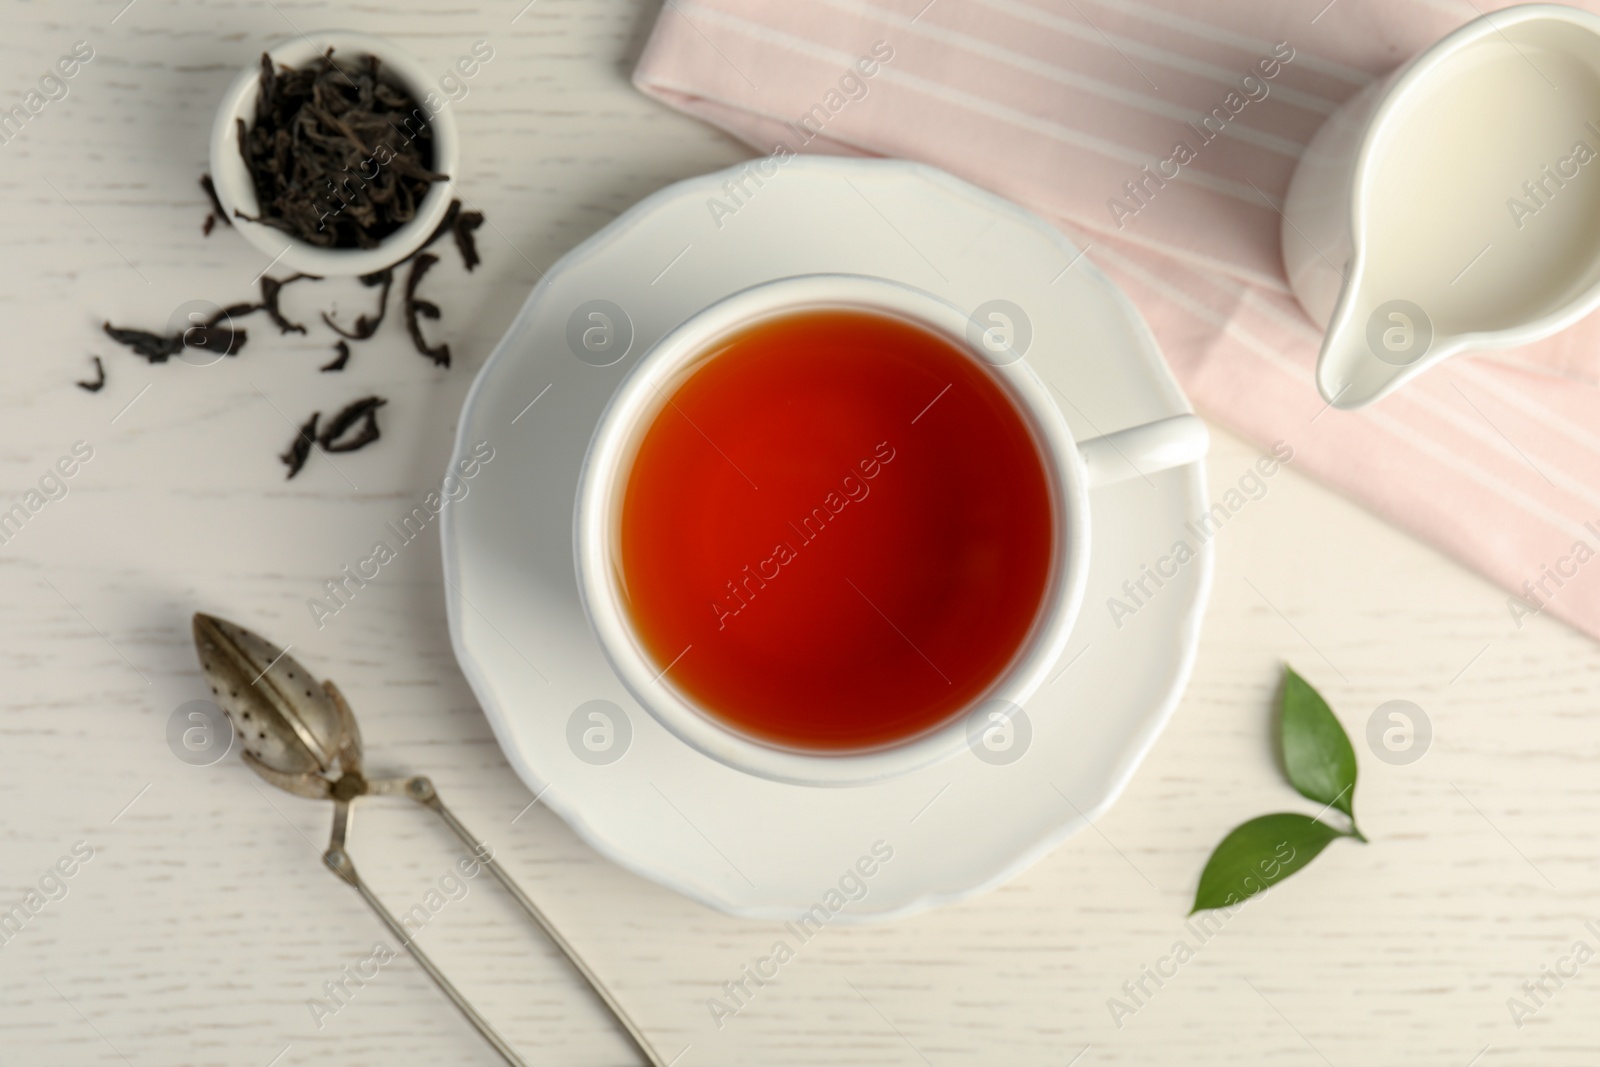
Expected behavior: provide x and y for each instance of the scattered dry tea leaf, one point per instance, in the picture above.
(271, 291)
(300, 448)
(364, 411)
(366, 325)
(99, 382)
(415, 308)
(217, 213)
(344, 357)
(157, 348)
(466, 222)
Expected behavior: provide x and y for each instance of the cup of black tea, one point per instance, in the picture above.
(829, 522)
(327, 155)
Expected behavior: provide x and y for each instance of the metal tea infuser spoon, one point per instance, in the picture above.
(301, 736)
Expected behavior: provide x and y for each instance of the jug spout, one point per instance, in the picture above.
(1372, 348)
(1454, 205)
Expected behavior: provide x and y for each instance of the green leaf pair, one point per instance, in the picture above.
(1321, 765)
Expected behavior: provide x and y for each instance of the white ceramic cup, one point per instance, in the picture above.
(1072, 469)
(235, 190)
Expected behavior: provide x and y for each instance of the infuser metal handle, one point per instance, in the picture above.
(420, 789)
(338, 859)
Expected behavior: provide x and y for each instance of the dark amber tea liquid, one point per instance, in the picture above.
(836, 533)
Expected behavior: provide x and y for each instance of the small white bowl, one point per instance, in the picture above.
(235, 190)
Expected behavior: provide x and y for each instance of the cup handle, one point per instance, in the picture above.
(1143, 450)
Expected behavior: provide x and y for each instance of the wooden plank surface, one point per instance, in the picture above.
(204, 923)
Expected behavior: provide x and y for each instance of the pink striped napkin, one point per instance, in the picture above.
(1057, 103)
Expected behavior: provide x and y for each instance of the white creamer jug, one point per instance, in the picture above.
(1453, 205)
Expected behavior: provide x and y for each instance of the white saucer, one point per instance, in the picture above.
(741, 844)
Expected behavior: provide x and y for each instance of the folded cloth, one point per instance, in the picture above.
(1071, 106)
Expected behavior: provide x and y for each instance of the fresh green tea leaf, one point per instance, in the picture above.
(1257, 854)
(1316, 750)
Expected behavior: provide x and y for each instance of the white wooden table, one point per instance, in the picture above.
(204, 921)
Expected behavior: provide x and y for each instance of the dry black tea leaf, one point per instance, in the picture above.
(344, 357)
(416, 308)
(300, 447)
(271, 289)
(339, 157)
(233, 311)
(459, 224)
(209, 336)
(99, 382)
(157, 348)
(212, 337)
(366, 326)
(466, 222)
(364, 411)
(217, 212)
